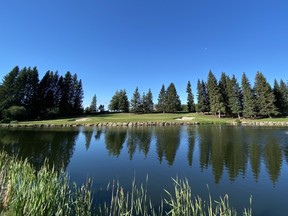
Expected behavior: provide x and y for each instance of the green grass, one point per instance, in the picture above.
(23, 191)
(129, 117)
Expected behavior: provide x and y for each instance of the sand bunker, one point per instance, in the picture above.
(185, 118)
(82, 119)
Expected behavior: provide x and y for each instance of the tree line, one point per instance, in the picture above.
(24, 96)
(227, 97)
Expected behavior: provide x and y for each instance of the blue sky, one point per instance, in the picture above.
(122, 44)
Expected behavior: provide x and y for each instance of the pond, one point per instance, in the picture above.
(216, 159)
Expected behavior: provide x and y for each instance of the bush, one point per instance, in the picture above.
(15, 113)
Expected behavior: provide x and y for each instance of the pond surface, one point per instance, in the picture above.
(234, 160)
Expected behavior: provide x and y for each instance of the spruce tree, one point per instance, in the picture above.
(249, 100)
(215, 96)
(114, 102)
(265, 99)
(190, 98)
(123, 102)
(135, 103)
(223, 86)
(284, 94)
(93, 105)
(234, 97)
(149, 101)
(173, 102)
(161, 106)
(280, 93)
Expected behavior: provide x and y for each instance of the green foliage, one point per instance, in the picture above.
(281, 97)
(119, 102)
(190, 98)
(173, 102)
(136, 103)
(93, 105)
(265, 99)
(216, 100)
(162, 100)
(249, 104)
(224, 90)
(234, 97)
(15, 113)
(202, 97)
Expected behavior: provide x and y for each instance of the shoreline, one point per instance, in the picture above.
(139, 124)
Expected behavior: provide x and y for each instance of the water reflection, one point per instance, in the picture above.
(221, 148)
(37, 145)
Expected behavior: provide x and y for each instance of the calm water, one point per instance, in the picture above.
(239, 161)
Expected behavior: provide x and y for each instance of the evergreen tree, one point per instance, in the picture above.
(215, 97)
(190, 98)
(223, 86)
(149, 102)
(234, 97)
(93, 105)
(173, 102)
(78, 97)
(114, 102)
(249, 100)
(123, 101)
(280, 93)
(265, 99)
(202, 97)
(161, 106)
(135, 103)
(9, 90)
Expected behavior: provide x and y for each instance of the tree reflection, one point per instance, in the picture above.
(36, 145)
(273, 159)
(168, 141)
(191, 143)
(138, 138)
(114, 139)
(88, 133)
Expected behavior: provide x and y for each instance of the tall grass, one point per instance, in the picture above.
(23, 191)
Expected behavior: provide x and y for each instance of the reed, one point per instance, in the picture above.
(24, 191)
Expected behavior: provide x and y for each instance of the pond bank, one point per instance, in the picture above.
(140, 124)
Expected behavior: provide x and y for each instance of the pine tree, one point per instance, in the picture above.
(123, 102)
(215, 97)
(149, 101)
(249, 100)
(114, 102)
(280, 93)
(135, 103)
(265, 99)
(234, 97)
(190, 98)
(93, 105)
(161, 106)
(9, 90)
(202, 97)
(223, 86)
(173, 102)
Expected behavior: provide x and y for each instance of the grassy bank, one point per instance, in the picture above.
(23, 191)
(128, 117)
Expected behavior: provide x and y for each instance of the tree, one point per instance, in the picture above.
(149, 106)
(249, 105)
(215, 97)
(202, 97)
(223, 87)
(173, 102)
(123, 101)
(136, 103)
(190, 98)
(93, 105)
(265, 99)
(9, 90)
(161, 106)
(234, 97)
(280, 93)
(114, 102)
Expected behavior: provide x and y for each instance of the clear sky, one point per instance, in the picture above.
(122, 44)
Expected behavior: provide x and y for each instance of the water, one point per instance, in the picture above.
(238, 161)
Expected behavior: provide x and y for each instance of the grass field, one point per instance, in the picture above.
(152, 117)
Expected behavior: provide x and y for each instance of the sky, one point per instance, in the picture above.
(124, 44)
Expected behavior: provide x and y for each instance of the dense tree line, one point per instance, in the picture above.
(228, 98)
(24, 96)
